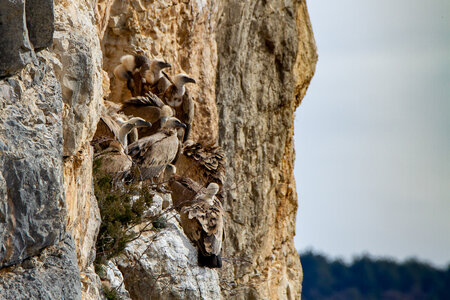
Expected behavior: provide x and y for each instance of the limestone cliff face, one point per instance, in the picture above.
(253, 62)
(267, 58)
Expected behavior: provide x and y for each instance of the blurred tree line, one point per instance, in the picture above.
(370, 278)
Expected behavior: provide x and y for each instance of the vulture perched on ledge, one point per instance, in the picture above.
(139, 72)
(177, 97)
(153, 153)
(204, 164)
(114, 158)
(202, 221)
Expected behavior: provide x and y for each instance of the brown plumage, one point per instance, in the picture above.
(160, 86)
(184, 190)
(202, 221)
(110, 144)
(108, 128)
(117, 127)
(130, 126)
(150, 108)
(107, 131)
(113, 159)
(156, 81)
(177, 97)
(202, 164)
(153, 153)
(132, 69)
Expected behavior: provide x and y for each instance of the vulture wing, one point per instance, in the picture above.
(209, 222)
(153, 153)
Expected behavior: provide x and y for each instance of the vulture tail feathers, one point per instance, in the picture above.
(209, 261)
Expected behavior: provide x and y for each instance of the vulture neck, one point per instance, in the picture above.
(208, 198)
(123, 133)
(169, 131)
(180, 90)
(156, 73)
(179, 84)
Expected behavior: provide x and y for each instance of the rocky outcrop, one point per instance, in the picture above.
(17, 51)
(40, 22)
(53, 274)
(77, 47)
(162, 264)
(267, 57)
(32, 211)
(261, 57)
(252, 61)
(50, 110)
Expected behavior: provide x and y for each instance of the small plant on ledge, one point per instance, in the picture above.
(121, 207)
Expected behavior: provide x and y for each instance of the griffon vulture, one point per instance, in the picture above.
(202, 221)
(153, 153)
(177, 97)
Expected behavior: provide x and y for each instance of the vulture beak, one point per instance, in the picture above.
(142, 123)
(163, 65)
(189, 79)
(179, 124)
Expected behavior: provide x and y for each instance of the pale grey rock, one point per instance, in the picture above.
(91, 286)
(50, 93)
(51, 275)
(77, 46)
(156, 207)
(15, 48)
(25, 26)
(115, 278)
(32, 208)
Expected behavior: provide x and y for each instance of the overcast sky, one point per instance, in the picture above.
(372, 135)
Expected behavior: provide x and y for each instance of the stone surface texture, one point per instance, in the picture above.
(40, 22)
(267, 58)
(49, 114)
(83, 216)
(253, 61)
(162, 264)
(32, 207)
(25, 27)
(15, 47)
(51, 275)
(76, 45)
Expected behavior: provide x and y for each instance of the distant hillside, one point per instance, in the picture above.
(369, 278)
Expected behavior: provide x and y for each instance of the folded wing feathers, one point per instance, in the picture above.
(149, 99)
(210, 220)
(154, 152)
(211, 158)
